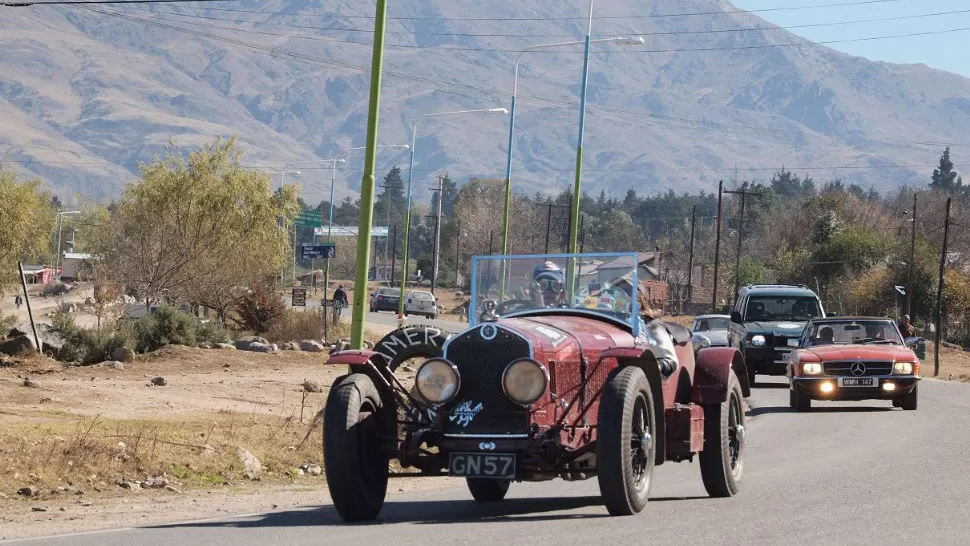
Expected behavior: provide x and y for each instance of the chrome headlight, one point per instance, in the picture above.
(525, 381)
(758, 341)
(437, 381)
(812, 368)
(903, 368)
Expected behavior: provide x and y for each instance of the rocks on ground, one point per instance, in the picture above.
(311, 386)
(252, 468)
(159, 381)
(51, 338)
(28, 382)
(123, 354)
(311, 346)
(18, 346)
(245, 343)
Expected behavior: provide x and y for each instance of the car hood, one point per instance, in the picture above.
(789, 328)
(832, 353)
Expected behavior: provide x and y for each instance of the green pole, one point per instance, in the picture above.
(367, 184)
(574, 213)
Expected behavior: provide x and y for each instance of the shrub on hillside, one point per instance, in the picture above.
(213, 332)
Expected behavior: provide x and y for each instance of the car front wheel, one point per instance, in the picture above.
(910, 400)
(722, 460)
(356, 462)
(488, 490)
(798, 401)
(625, 447)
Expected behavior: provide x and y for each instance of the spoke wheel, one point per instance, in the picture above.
(722, 460)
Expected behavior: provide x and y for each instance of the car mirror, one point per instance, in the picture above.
(736, 317)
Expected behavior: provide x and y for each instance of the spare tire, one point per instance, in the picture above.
(409, 342)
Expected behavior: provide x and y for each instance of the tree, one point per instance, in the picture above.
(201, 229)
(27, 221)
(945, 179)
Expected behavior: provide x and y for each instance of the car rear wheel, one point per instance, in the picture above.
(488, 490)
(625, 447)
(356, 462)
(910, 400)
(722, 460)
(798, 401)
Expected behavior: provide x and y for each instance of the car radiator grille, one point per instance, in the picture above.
(481, 363)
(845, 368)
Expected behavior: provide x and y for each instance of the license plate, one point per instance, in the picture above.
(858, 382)
(482, 465)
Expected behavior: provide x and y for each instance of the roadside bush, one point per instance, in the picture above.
(93, 345)
(166, 326)
(259, 310)
(7, 322)
(213, 332)
(295, 325)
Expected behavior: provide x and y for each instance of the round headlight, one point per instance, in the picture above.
(437, 381)
(525, 381)
(758, 341)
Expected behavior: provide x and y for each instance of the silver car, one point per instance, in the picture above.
(419, 302)
(712, 327)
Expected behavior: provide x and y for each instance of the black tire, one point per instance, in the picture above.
(404, 344)
(910, 400)
(624, 456)
(356, 462)
(897, 402)
(798, 401)
(752, 378)
(488, 490)
(722, 460)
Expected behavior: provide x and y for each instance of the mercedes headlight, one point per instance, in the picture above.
(525, 381)
(437, 381)
(903, 368)
(758, 341)
(812, 368)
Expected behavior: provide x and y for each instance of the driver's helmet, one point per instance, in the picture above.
(549, 278)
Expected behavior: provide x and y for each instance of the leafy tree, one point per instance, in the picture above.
(26, 223)
(946, 179)
(199, 228)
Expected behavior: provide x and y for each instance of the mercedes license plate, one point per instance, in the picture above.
(858, 382)
(482, 465)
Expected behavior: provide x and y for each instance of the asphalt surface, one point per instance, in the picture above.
(846, 474)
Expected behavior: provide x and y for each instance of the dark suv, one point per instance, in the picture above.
(767, 322)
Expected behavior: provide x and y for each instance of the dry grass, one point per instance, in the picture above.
(297, 325)
(94, 454)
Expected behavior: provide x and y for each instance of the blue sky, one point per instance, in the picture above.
(944, 51)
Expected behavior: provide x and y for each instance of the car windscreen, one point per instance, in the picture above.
(775, 308)
(422, 296)
(389, 292)
(712, 324)
(586, 284)
(861, 331)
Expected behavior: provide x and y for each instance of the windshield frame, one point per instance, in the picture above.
(632, 323)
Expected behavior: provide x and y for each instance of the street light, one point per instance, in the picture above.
(619, 40)
(407, 220)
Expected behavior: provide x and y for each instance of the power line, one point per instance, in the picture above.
(86, 2)
(608, 17)
(502, 35)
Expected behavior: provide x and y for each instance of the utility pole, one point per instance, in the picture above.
(548, 225)
(393, 253)
(912, 258)
(744, 193)
(387, 207)
(582, 233)
(690, 259)
(458, 253)
(939, 293)
(717, 245)
(437, 234)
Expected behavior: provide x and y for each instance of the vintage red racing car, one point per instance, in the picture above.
(550, 380)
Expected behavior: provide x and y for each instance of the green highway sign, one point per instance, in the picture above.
(309, 218)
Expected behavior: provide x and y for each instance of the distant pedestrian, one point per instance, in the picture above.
(339, 302)
(18, 301)
(907, 328)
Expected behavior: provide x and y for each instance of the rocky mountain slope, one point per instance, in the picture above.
(85, 94)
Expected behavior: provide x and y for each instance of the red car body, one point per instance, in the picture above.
(557, 435)
(853, 371)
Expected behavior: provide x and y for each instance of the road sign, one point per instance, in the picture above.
(299, 297)
(349, 231)
(309, 218)
(901, 290)
(319, 251)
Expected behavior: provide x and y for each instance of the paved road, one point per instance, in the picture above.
(844, 474)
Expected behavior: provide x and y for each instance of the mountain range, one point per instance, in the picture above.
(87, 92)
